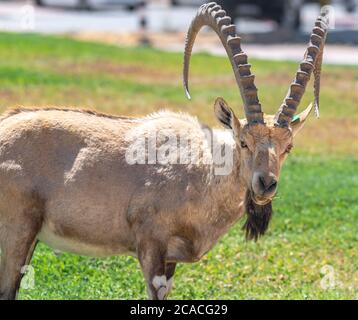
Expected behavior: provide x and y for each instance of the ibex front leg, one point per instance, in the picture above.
(20, 222)
(14, 257)
(151, 254)
(169, 272)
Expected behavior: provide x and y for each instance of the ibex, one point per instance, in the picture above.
(66, 180)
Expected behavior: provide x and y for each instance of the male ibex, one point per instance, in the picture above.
(66, 180)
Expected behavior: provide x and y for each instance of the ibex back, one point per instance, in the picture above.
(67, 178)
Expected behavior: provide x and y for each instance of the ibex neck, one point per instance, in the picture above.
(227, 191)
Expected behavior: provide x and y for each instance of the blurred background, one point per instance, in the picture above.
(165, 21)
(125, 57)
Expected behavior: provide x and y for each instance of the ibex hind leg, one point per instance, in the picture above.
(20, 223)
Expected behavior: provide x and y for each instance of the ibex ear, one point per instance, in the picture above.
(226, 116)
(298, 120)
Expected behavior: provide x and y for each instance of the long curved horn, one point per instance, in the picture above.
(212, 15)
(312, 62)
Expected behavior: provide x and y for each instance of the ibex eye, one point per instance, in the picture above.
(289, 148)
(243, 144)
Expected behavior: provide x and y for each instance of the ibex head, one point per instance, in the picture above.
(263, 141)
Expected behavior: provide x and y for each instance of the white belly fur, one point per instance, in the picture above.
(64, 244)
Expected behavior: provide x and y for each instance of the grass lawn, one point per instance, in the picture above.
(313, 237)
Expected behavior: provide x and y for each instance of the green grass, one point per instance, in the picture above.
(28, 61)
(316, 211)
(37, 70)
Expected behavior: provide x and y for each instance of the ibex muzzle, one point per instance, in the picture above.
(64, 178)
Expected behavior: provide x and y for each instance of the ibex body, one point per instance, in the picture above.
(66, 179)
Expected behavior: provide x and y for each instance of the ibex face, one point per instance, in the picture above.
(263, 149)
(262, 152)
(263, 141)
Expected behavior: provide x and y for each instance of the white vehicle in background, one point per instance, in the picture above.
(91, 4)
(286, 13)
(188, 2)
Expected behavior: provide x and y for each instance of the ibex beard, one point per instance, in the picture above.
(258, 217)
(65, 179)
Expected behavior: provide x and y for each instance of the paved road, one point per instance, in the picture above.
(19, 16)
(333, 54)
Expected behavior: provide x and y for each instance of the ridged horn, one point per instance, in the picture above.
(312, 62)
(212, 15)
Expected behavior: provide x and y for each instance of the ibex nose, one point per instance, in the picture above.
(266, 184)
